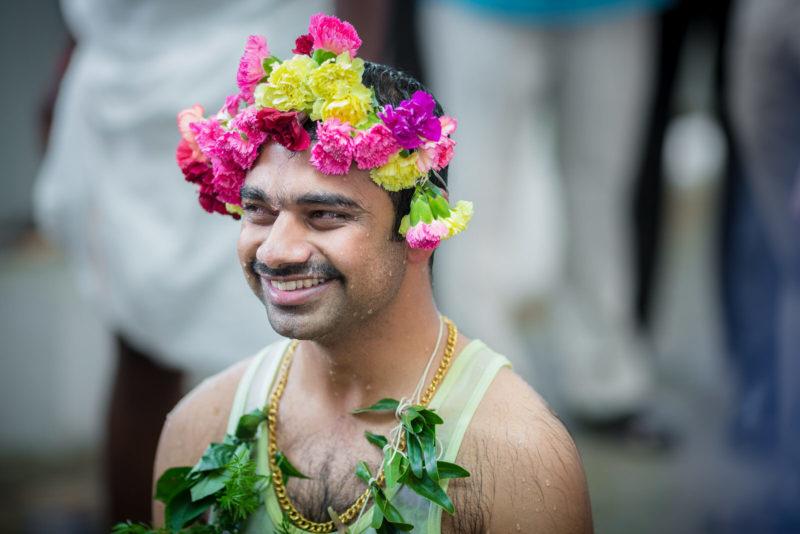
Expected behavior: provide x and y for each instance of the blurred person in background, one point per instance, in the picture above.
(584, 69)
(762, 260)
(163, 275)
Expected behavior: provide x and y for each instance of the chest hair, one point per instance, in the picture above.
(330, 457)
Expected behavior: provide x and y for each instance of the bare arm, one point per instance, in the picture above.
(530, 475)
(199, 419)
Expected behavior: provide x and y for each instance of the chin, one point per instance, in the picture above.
(294, 323)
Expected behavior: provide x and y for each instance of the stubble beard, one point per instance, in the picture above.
(345, 308)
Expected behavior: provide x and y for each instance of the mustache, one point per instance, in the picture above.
(306, 270)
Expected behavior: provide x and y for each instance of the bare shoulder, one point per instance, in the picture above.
(528, 475)
(200, 418)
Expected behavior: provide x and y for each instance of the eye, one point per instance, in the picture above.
(258, 213)
(328, 215)
(327, 219)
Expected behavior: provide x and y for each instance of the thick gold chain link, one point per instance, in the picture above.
(272, 412)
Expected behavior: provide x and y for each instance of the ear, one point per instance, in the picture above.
(417, 255)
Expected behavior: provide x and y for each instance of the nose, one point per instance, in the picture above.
(285, 244)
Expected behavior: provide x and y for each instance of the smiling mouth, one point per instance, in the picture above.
(293, 285)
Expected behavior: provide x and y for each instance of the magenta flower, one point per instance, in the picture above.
(194, 170)
(426, 235)
(251, 67)
(334, 35)
(206, 135)
(372, 148)
(228, 180)
(304, 45)
(231, 106)
(413, 120)
(333, 153)
(284, 127)
(210, 202)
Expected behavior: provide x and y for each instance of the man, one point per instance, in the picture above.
(325, 256)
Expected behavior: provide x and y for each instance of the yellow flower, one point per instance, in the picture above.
(353, 107)
(398, 173)
(460, 214)
(334, 79)
(287, 87)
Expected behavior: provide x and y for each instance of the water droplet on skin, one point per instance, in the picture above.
(518, 527)
(555, 508)
(547, 482)
(538, 498)
(539, 509)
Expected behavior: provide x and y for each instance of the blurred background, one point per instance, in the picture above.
(647, 281)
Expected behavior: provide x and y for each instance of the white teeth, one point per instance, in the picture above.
(291, 285)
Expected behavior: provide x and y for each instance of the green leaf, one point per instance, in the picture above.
(391, 513)
(381, 405)
(450, 470)
(286, 467)
(375, 439)
(430, 490)
(172, 482)
(181, 509)
(363, 472)
(217, 455)
(414, 454)
(248, 424)
(209, 485)
(377, 510)
(393, 469)
(412, 421)
(431, 417)
(428, 443)
(269, 63)
(320, 56)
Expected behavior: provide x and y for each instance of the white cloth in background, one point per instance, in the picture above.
(589, 83)
(163, 272)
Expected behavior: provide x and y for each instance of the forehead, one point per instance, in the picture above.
(284, 176)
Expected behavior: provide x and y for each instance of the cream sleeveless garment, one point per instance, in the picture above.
(455, 401)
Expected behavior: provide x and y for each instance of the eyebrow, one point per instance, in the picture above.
(334, 200)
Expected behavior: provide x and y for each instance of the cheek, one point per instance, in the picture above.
(246, 248)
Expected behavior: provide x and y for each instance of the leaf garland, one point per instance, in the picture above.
(226, 476)
(418, 469)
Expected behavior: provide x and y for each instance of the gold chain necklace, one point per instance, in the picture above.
(272, 418)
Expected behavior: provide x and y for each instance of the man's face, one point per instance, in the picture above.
(317, 249)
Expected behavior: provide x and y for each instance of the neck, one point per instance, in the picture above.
(384, 356)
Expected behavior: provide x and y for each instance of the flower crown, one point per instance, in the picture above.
(402, 146)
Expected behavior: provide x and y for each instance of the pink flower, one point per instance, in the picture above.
(426, 235)
(372, 148)
(304, 45)
(251, 67)
(334, 35)
(284, 127)
(186, 118)
(231, 106)
(333, 153)
(437, 154)
(206, 134)
(228, 180)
